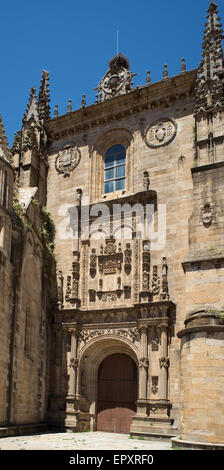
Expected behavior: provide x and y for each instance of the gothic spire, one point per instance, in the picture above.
(44, 98)
(209, 87)
(4, 146)
(31, 110)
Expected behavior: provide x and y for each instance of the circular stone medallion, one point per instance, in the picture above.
(161, 132)
(67, 160)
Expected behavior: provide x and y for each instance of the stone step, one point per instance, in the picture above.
(154, 434)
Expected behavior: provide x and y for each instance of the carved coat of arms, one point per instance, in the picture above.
(67, 160)
(161, 132)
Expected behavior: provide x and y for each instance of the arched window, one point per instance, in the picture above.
(114, 169)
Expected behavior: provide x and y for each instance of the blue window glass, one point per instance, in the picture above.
(114, 174)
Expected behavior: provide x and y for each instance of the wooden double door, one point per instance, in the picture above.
(117, 393)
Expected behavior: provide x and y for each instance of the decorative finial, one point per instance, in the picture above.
(69, 107)
(148, 77)
(44, 97)
(83, 101)
(56, 110)
(183, 65)
(165, 72)
(31, 109)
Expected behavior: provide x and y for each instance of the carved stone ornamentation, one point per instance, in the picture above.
(74, 363)
(93, 263)
(68, 288)
(207, 214)
(154, 387)
(164, 362)
(161, 133)
(131, 334)
(127, 258)
(60, 281)
(165, 291)
(154, 337)
(67, 160)
(110, 260)
(118, 79)
(155, 281)
(144, 362)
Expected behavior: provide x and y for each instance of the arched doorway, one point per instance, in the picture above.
(117, 393)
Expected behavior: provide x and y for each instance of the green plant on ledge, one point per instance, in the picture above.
(48, 229)
(181, 158)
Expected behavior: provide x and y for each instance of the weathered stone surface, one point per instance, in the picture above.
(70, 299)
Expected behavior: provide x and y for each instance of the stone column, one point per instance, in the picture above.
(143, 373)
(164, 364)
(73, 366)
(72, 408)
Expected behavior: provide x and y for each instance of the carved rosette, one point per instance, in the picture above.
(161, 132)
(67, 160)
(164, 362)
(144, 362)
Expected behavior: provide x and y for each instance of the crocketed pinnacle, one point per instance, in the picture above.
(44, 98)
(209, 88)
(4, 146)
(32, 110)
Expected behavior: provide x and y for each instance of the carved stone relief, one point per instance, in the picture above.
(67, 160)
(207, 214)
(161, 132)
(154, 387)
(131, 334)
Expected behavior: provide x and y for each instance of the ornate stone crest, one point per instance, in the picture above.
(161, 132)
(67, 160)
(207, 214)
(118, 79)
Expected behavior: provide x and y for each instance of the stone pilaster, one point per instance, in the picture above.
(164, 364)
(72, 402)
(143, 373)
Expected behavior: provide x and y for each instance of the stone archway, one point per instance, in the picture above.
(117, 393)
(91, 358)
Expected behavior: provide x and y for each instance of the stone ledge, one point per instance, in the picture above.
(153, 436)
(209, 166)
(211, 259)
(176, 441)
(198, 329)
(16, 430)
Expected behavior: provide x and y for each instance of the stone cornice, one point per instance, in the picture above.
(198, 329)
(149, 97)
(211, 259)
(209, 166)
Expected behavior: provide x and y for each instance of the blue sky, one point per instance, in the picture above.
(74, 41)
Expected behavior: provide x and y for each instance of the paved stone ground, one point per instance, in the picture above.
(80, 441)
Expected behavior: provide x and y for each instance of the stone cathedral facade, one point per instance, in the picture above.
(105, 326)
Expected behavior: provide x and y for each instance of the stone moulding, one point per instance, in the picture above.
(188, 263)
